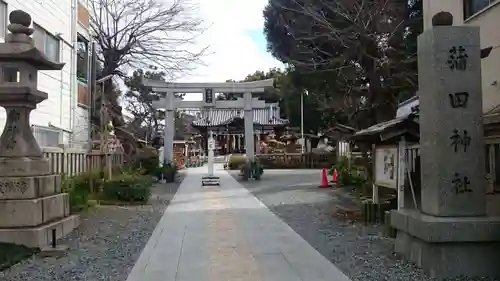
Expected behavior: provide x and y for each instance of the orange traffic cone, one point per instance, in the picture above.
(324, 179)
(334, 175)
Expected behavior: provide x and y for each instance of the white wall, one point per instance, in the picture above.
(55, 16)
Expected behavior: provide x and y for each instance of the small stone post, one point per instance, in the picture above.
(211, 147)
(30, 196)
(451, 235)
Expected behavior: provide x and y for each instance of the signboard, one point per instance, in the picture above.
(211, 144)
(209, 97)
(386, 166)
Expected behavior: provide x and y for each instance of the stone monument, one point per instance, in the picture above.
(210, 179)
(32, 207)
(451, 234)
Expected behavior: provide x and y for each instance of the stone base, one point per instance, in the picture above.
(33, 212)
(24, 166)
(29, 187)
(448, 247)
(448, 260)
(39, 236)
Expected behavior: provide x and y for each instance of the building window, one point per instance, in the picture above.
(83, 59)
(47, 42)
(471, 7)
(83, 14)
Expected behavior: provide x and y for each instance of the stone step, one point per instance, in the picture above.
(29, 187)
(210, 181)
(33, 212)
(39, 236)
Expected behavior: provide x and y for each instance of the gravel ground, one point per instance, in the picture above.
(359, 251)
(104, 247)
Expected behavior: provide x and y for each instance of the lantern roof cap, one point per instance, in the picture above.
(20, 47)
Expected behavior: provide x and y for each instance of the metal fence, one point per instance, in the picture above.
(296, 160)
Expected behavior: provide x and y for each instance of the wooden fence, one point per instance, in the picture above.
(297, 160)
(73, 161)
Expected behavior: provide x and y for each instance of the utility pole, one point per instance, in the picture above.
(91, 90)
(102, 134)
(302, 120)
(103, 140)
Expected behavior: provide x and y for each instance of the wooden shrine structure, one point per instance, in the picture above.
(228, 127)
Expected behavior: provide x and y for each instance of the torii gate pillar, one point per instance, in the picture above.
(248, 121)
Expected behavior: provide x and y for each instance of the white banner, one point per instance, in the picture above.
(386, 166)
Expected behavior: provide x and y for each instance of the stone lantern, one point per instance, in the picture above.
(33, 209)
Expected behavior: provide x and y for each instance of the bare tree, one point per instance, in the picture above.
(145, 33)
(360, 42)
(142, 34)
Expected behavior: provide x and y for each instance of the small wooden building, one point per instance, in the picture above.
(389, 141)
(339, 135)
(229, 130)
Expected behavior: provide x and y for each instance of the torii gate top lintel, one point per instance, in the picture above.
(223, 87)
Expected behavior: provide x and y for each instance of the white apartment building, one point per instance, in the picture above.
(61, 31)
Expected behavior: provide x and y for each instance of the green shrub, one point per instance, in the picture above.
(78, 188)
(147, 161)
(92, 179)
(252, 169)
(82, 186)
(342, 164)
(236, 161)
(356, 178)
(347, 175)
(127, 187)
(168, 171)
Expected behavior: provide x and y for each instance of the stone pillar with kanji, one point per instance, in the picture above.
(449, 234)
(33, 207)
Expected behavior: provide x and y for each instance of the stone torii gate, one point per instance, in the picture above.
(170, 103)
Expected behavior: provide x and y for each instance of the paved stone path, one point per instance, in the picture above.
(226, 234)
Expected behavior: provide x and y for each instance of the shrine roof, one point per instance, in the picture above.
(223, 117)
(339, 132)
(381, 132)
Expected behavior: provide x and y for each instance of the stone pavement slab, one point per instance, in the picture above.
(225, 233)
